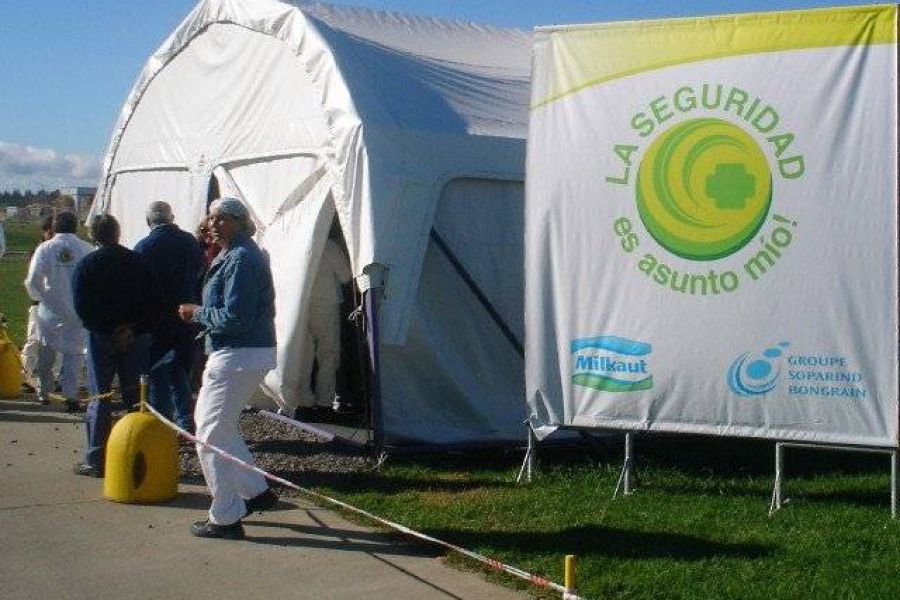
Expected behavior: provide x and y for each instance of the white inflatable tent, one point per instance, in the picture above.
(412, 131)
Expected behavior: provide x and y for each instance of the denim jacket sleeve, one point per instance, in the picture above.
(233, 306)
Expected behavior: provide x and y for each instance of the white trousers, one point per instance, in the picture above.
(68, 374)
(323, 344)
(224, 393)
(33, 346)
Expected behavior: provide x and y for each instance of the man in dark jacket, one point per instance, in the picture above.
(117, 301)
(176, 260)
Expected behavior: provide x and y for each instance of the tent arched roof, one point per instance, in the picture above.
(403, 104)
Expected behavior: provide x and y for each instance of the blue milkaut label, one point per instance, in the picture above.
(611, 364)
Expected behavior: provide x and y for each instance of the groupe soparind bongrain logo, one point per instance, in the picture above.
(800, 374)
(704, 164)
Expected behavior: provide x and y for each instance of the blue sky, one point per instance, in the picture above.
(68, 65)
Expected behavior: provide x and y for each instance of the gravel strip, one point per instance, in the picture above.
(288, 452)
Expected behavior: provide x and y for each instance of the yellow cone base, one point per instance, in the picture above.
(10, 368)
(141, 461)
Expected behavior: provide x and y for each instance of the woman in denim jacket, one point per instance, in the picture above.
(237, 316)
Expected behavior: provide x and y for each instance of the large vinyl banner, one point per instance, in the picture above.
(711, 226)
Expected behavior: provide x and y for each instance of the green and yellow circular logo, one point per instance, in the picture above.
(704, 189)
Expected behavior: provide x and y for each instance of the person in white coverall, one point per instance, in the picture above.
(323, 329)
(49, 282)
(32, 345)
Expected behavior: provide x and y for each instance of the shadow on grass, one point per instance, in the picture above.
(875, 498)
(724, 458)
(595, 540)
(379, 483)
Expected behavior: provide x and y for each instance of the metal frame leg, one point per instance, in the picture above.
(528, 463)
(624, 485)
(777, 490)
(895, 466)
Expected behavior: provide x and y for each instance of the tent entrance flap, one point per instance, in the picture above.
(294, 242)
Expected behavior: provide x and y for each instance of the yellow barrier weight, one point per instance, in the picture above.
(141, 461)
(10, 368)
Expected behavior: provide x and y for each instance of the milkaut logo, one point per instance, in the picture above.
(754, 374)
(705, 188)
(611, 364)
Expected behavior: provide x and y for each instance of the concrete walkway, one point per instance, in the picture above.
(60, 539)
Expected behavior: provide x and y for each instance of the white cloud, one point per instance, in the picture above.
(29, 168)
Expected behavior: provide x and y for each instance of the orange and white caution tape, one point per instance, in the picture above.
(534, 579)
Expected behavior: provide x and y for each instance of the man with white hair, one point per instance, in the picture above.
(175, 259)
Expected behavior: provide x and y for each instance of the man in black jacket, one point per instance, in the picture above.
(176, 261)
(119, 304)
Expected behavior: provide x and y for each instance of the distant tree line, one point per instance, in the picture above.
(18, 198)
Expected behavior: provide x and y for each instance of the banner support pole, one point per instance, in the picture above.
(528, 463)
(895, 466)
(624, 485)
(778, 498)
(777, 490)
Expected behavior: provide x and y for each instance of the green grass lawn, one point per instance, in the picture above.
(697, 526)
(21, 238)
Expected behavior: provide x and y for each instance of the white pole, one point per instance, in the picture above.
(895, 465)
(528, 461)
(623, 485)
(777, 497)
(629, 463)
(532, 443)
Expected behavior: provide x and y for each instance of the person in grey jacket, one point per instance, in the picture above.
(238, 319)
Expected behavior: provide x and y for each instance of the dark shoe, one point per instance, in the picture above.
(73, 406)
(87, 470)
(43, 400)
(261, 502)
(205, 529)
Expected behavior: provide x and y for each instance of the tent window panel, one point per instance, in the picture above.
(132, 192)
(482, 223)
(266, 184)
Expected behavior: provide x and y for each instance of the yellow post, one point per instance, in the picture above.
(145, 383)
(570, 573)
